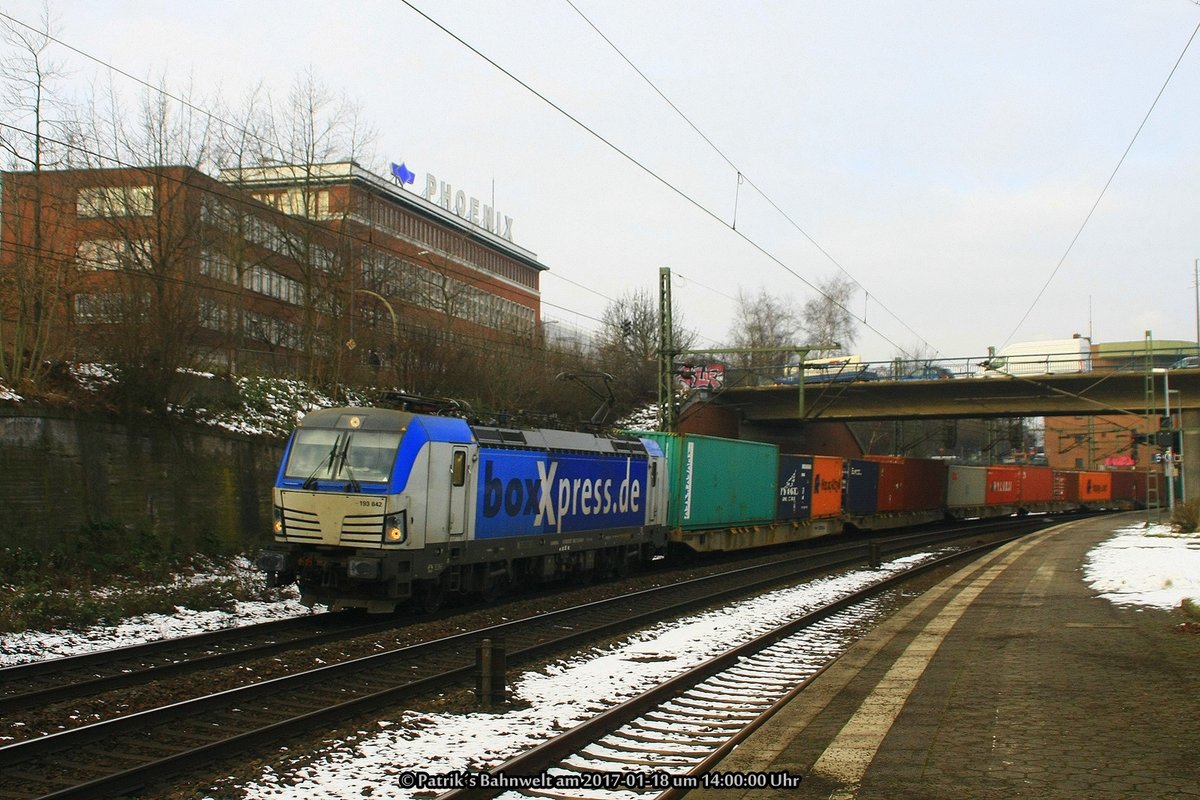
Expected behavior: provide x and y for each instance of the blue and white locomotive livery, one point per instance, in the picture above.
(376, 506)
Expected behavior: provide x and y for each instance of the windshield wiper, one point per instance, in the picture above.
(353, 485)
(311, 481)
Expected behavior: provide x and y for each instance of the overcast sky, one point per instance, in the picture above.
(943, 154)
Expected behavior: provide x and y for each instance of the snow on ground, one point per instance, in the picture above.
(1141, 566)
(8, 394)
(414, 744)
(26, 646)
(1146, 566)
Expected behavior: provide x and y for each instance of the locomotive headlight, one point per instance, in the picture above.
(277, 520)
(395, 528)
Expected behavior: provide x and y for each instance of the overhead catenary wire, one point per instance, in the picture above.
(742, 177)
(239, 128)
(1091, 211)
(646, 169)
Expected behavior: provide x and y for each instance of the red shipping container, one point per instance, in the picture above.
(827, 486)
(1037, 484)
(1066, 485)
(910, 484)
(1003, 486)
(1129, 486)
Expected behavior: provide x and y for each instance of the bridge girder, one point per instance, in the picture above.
(1078, 394)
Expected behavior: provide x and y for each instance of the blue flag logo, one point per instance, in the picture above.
(403, 174)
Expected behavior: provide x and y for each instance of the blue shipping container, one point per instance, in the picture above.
(860, 487)
(795, 487)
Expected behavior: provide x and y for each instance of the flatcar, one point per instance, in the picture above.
(373, 507)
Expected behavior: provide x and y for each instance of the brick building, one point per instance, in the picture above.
(422, 271)
(327, 271)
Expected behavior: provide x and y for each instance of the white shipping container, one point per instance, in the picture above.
(966, 487)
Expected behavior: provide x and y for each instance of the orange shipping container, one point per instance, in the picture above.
(1095, 486)
(827, 486)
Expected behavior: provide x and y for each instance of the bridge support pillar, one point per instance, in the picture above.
(1191, 454)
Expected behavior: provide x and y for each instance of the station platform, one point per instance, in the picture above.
(1008, 679)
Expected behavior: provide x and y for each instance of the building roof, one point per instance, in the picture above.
(1139, 346)
(349, 172)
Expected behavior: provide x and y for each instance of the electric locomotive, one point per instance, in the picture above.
(376, 506)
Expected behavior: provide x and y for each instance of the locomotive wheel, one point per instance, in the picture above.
(493, 589)
(429, 596)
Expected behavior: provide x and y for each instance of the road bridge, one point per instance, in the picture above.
(1097, 392)
(1075, 394)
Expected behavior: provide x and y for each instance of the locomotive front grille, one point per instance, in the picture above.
(301, 526)
(362, 530)
(330, 518)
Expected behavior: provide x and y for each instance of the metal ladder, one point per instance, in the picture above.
(1152, 497)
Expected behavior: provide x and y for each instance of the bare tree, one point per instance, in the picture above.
(310, 129)
(145, 227)
(628, 346)
(763, 320)
(32, 129)
(826, 318)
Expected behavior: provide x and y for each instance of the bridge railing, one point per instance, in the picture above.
(852, 369)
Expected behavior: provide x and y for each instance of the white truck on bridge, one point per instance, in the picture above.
(1039, 358)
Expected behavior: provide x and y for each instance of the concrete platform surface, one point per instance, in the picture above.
(1009, 679)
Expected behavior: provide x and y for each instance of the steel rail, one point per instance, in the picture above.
(542, 758)
(164, 658)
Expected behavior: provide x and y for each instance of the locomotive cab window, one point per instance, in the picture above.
(326, 454)
(458, 469)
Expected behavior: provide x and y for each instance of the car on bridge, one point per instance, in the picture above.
(836, 369)
(929, 373)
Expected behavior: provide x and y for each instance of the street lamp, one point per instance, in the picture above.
(395, 327)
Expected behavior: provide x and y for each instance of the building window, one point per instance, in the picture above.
(218, 266)
(271, 283)
(215, 316)
(113, 254)
(91, 308)
(273, 331)
(115, 201)
(411, 283)
(310, 203)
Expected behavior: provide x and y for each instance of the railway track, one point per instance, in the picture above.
(122, 754)
(42, 683)
(666, 741)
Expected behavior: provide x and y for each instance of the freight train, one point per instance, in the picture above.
(373, 506)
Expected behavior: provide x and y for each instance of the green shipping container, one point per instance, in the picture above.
(718, 483)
